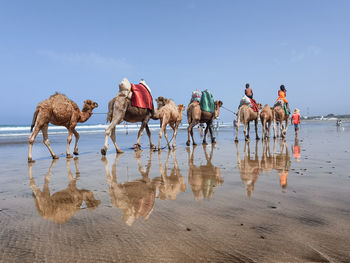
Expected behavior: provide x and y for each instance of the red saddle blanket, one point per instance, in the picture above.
(141, 97)
(255, 107)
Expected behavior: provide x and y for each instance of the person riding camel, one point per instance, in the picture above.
(249, 93)
(282, 96)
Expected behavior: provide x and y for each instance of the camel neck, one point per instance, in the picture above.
(85, 115)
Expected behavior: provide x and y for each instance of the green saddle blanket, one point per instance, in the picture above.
(207, 102)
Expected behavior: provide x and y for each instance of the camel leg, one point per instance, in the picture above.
(174, 127)
(76, 135)
(116, 120)
(274, 128)
(285, 131)
(237, 127)
(205, 134)
(143, 125)
(256, 129)
(69, 139)
(268, 130)
(167, 139)
(190, 132)
(151, 145)
(162, 129)
(46, 140)
(211, 133)
(248, 129)
(245, 131)
(263, 129)
(31, 142)
(281, 129)
(113, 138)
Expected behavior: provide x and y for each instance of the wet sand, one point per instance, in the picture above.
(256, 202)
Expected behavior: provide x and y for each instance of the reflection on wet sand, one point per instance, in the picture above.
(62, 205)
(135, 198)
(169, 186)
(204, 178)
(250, 168)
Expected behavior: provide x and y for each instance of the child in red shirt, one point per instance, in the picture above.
(296, 121)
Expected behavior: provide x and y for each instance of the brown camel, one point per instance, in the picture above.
(266, 118)
(169, 186)
(61, 111)
(168, 113)
(120, 109)
(249, 169)
(204, 178)
(280, 116)
(62, 205)
(195, 115)
(246, 114)
(136, 198)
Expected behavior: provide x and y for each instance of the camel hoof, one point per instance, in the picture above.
(75, 153)
(194, 143)
(204, 143)
(119, 151)
(55, 157)
(152, 146)
(68, 156)
(30, 160)
(257, 138)
(174, 147)
(103, 151)
(213, 140)
(236, 140)
(188, 143)
(247, 139)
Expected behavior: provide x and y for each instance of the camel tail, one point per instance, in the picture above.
(110, 110)
(34, 119)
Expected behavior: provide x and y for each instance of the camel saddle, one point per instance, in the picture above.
(207, 102)
(141, 97)
(283, 105)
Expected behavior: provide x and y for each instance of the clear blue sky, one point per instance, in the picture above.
(85, 48)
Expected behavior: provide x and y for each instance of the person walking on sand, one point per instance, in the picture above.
(296, 121)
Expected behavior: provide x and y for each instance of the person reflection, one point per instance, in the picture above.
(136, 198)
(169, 186)
(249, 169)
(296, 150)
(282, 163)
(204, 178)
(62, 205)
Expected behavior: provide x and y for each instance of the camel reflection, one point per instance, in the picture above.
(169, 186)
(204, 178)
(62, 205)
(249, 169)
(135, 198)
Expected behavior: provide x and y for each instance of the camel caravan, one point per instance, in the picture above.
(134, 104)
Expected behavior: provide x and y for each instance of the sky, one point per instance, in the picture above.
(85, 48)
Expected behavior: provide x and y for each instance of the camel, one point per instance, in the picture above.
(195, 115)
(62, 205)
(266, 118)
(168, 113)
(169, 186)
(204, 178)
(136, 198)
(119, 110)
(249, 169)
(280, 116)
(61, 111)
(246, 114)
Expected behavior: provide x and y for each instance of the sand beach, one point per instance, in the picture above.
(248, 202)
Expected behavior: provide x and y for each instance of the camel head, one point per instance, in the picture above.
(181, 108)
(161, 102)
(89, 105)
(218, 104)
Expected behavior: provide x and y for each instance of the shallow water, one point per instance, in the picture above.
(251, 202)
